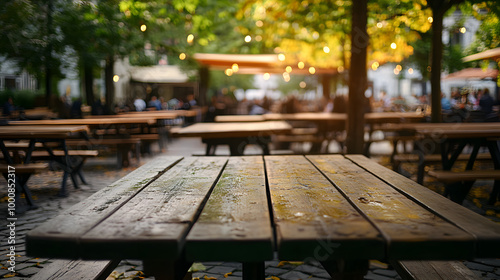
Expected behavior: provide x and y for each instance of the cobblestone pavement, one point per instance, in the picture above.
(101, 171)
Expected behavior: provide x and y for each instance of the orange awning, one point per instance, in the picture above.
(488, 54)
(253, 63)
(473, 73)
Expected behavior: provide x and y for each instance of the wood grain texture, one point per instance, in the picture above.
(484, 231)
(40, 132)
(235, 223)
(410, 230)
(76, 270)
(435, 270)
(155, 222)
(61, 233)
(232, 129)
(312, 218)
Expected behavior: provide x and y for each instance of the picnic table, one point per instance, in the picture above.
(236, 135)
(43, 135)
(340, 210)
(330, 125)
(451, 139)
(126, 134)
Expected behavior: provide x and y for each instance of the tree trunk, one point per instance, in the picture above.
(204, 84)
(109, 83)
(436, 64)
(48, 58)
(88, 81)
(326, 82)
(357, 78)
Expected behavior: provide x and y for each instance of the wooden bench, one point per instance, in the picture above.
(459, 183)
(123, 147)
(466, 175)
(76, 269)
(435, 270)
(76, 159)
(423, 160)
(22, 174)
(147, 140)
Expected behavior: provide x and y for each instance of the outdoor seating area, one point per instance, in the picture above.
(250, 140)
(162, 162)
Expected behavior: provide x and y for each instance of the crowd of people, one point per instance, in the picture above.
(468, 105)
(471, 105)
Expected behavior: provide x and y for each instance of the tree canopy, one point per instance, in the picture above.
(37, 33)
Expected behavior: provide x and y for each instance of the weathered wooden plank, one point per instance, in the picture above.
(62, 232)
(313, 219)
(157, 219)
(466, 175)
(76, 270)
(235, 223)
(404, 224)
(485, 231)
(436, 270)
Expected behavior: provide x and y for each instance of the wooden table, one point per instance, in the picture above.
(41, 134)
(96, 122)
(341, 211)
(236, 135)
(450, 139)
(123, 132)
(328, 123)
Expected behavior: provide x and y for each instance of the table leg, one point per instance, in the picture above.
(22, 187)
(448, 157)
(346, 269)
(254, 271)
(495, 156)
(5, 152)
(167, 269)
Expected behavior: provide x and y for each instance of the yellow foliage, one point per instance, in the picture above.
(490, 212)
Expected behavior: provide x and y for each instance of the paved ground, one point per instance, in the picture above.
(101, 172)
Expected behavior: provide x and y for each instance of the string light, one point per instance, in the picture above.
(182, 56)
(312, 70)
(143, 28)
(235, 67)
(286, 77)
(116, 78)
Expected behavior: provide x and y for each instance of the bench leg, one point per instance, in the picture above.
(495, 193)
(346, 270)
(21, 186)
(495, 155)
(167, 269)
(122, 156)
(62, 191)
(254, 270)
